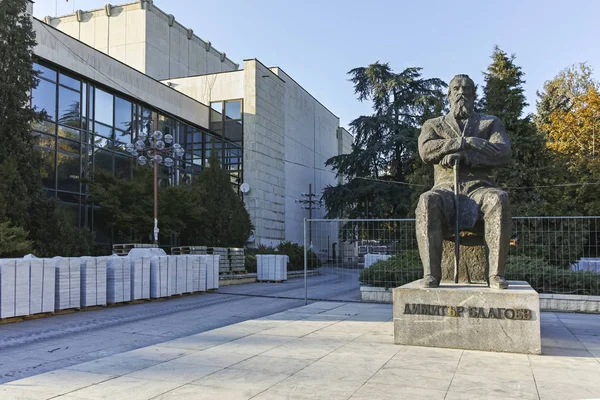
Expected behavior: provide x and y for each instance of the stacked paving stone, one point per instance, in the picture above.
(93, 281)
(237, 260)
(159, 277)
(118, 279)
(68, 283)
(271, 267)
(223, 259)
(42, 285)
(140, 277)
(212, 265)
(27, 286)
(32, 286)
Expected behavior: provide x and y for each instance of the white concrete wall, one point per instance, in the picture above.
(75, 56)
(141, 36)
(212, 87)
(264, 151)
(173, 53)
(288, 136)
(310, 139)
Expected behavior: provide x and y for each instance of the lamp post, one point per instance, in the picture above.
(150, 150)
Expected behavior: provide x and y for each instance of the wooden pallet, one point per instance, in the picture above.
(182, 250)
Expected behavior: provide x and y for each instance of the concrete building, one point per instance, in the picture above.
(106, 78)
(144, 37)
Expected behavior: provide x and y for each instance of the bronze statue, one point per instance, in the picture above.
(472, 145)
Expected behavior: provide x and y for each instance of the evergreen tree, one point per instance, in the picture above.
(225, 222)
(503, 96)
(19, 163)
(385, 143)
(23, 206)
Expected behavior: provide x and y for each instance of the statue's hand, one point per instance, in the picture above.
(481, 145)
(449, 160)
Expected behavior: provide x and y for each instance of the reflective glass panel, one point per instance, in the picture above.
(45, 72)
(70, 82)
(104, 143)
(44, 98)
(233, 109)
(68, 146)
(217, 128)
(103, 107)
(103, 130)
(146, 121)
(216, 110)
(122, 114)
(44, 141)
(69, 107)
(67, 171)
(103, 160)
(234, 131)
(44, 126)
(69, 133)
(123, 137)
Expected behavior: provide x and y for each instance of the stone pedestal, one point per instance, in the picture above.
(472, 263)
(470, 317)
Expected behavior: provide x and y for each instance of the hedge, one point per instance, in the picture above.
(543, 277)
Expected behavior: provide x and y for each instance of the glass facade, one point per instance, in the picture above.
(86, 128)
(226, 118)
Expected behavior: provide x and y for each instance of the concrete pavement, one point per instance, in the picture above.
(329, 350)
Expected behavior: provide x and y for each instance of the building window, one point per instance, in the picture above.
(104, 107)
(44, 98)
(86, 129)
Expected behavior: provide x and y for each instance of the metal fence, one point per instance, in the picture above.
(554, 254)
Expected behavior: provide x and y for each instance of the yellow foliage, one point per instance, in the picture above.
(575, 133)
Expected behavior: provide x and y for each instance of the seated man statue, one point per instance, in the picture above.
(479, 143)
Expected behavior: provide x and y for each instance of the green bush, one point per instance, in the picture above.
(294, 251)
(13, 241)
(406, 267)
(547, 278)
(400, 269)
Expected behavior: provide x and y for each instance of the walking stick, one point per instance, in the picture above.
(456, 225)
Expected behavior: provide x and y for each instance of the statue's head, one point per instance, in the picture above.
(461, 95)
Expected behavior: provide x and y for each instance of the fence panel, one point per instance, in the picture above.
(554, 254)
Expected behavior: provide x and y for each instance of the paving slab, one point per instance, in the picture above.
(325, 350)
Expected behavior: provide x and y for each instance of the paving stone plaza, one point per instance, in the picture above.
(239, 347)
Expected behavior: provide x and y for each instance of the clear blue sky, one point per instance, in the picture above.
(318, 41)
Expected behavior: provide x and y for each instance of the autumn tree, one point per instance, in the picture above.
(572, 134)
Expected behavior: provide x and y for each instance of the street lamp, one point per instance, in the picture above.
(153, 150)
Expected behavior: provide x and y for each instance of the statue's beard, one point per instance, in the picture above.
(462, 108)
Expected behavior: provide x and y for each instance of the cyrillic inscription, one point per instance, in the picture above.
(470, 312)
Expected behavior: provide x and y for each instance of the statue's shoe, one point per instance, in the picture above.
(429, 281)
(498, 282)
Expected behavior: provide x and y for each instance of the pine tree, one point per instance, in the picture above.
(385, 143)
(23, 206)
(503, 96)
(19, 162)
(224, 220)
